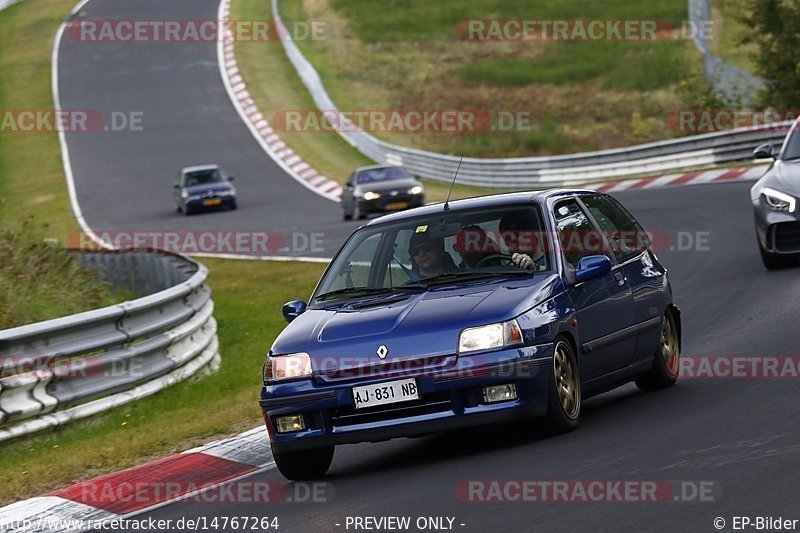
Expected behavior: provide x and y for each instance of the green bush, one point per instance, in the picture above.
(40, 280)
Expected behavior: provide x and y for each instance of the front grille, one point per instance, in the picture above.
(384, 201)
(429, 404)
(787, 236)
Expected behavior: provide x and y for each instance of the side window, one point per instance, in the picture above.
(576, 234)
(625, 236)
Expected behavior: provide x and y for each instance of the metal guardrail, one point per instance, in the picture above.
(731, 82)
(531, 172)
(7, 3)
(55, 371)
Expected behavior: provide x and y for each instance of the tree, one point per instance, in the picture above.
(775, 26)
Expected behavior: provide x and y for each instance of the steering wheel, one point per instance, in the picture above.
(500, 259)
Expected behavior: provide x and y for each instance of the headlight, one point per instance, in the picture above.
(491, 336)
(290, 366)
(415, 190)
(778, 200)
(371, 196)
(184, 194)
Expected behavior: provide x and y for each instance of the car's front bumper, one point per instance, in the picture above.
(386, 204)
(778, 232)
(196, 204)
(450, 399)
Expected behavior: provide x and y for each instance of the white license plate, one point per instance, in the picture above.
(402, 390)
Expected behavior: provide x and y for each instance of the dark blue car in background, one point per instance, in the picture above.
(203, 187)
(471, 312)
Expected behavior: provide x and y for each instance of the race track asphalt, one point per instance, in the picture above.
(124, 178)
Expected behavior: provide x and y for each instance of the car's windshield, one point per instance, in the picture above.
(374, 175)
(792, 148)
(204, 177)
(464, 245)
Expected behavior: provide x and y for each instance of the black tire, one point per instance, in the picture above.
(357, 212)
(178, 209)
(564, 390)
(187, 211)
(776, 261)
(306, 464)
(233, 206)
(346, 215)
(666, 359)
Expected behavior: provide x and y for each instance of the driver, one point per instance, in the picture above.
(473, 244)
(428, 257)
(519, 231)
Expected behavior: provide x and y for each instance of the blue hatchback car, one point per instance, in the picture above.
(470, 312)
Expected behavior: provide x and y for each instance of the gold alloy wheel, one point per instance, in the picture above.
(669, 345)
(567, 385)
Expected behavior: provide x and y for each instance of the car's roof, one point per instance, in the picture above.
(198, 168)
(538, 197)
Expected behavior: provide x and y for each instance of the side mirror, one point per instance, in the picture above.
(592, 266)
(293, 309)
(176, 186)
(349, 184)
(763, 152)
(231, 178)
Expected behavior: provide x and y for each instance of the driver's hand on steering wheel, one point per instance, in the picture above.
(522, 261)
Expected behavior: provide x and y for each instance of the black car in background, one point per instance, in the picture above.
(380, 189)
(775, 200)
(203, 187)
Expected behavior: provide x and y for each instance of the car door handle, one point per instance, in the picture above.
(619, 277)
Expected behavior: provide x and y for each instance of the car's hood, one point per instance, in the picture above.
(786, 177)
(783, 176)
(410, 325)
(209, 188)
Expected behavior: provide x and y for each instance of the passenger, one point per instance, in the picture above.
(428, 256)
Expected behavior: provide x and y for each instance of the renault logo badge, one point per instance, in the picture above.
(383, 351)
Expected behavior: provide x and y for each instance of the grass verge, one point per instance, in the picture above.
(31, 175)
(40, 281)
(578, 95)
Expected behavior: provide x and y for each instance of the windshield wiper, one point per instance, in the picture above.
(473, 274)
(352, 290)
(364, 291)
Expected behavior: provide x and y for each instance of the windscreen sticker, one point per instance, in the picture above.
(421, 229)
